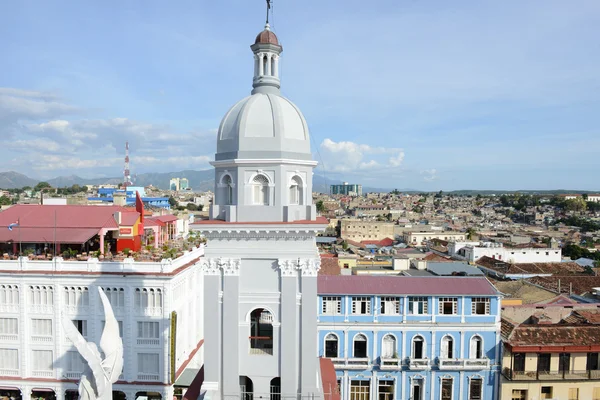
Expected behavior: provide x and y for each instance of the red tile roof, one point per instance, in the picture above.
(367, 284)
(329, 266)
(329, 380)
(382, 243)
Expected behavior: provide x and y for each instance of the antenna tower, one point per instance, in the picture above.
(126, 174)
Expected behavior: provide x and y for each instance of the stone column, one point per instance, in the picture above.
(269, 64)
(289, 348)
(261, 64)
(309, 355)
(276, 66)
(212, 326)
(230, 340)
(25, 393)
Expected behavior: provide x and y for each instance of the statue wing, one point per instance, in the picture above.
(88, 351)
(111, 343)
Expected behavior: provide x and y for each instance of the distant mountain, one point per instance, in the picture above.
(15, 180)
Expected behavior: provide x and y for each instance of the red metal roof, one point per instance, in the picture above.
(417, 285)
(329, 380)
(166, 218)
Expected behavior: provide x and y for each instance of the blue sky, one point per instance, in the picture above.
(427, 94)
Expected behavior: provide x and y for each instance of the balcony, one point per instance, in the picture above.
(9, 372)
(261, 345)
(419, 364)
(453, 364)
(148, 342)
(72, 375)
(351, 363)
(550, 375)
(148, 377)
(390, 364)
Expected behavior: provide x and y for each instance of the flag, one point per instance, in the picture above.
(11, 226)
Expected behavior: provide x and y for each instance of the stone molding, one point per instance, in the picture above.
(287, 268)
(214, 266)
(306, 266)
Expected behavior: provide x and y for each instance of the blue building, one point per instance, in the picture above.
(417, 338)
(106, 195)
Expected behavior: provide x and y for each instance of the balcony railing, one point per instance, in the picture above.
(351, 363)
(148, 342)
(550, 375)
(261, 345)
(419, 363)
(449, 364)
(9, 372)
(390, 363)
(148, 377)
(72, 375)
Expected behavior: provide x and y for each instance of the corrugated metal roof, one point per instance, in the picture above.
(377, 285)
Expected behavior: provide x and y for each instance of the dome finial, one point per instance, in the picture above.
(268, 8)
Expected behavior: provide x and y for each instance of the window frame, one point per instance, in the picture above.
(328, 300)
(421, 303)
(363, 303)
(445, 301)
(477, 301)
(386, 300)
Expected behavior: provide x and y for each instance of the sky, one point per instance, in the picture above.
(420, 94)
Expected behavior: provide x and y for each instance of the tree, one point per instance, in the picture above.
(172, 202)
(576, 204)
(192, 207)
(320, 207)
(41, 185)
(471, 232)
(5, 201)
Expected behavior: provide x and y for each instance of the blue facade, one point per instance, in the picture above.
(412, 347)
(106, 195)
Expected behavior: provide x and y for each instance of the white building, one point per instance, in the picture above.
(261, 262)
(419, 239)
(473, 251)
(36, 358)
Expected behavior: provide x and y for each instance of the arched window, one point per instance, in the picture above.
(418, 345)
(359, 346)
(260, 190)
(331, 346)
(261, 332)
(388, 347)
(296, 192)
(228, 186)
(476, 347)
(275, 389)
(447, 348)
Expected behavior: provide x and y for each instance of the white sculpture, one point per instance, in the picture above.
(100, 374)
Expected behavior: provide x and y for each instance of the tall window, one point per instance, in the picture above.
(592, 362)
(9, 359)
(417, 389)
(332, 305)
(359, 346)
(74, 362)
(260, 189)
(76, 296)
(9, 326)
(480, 306)
(543, 362)
(41, 327)
(446, 389)
(519, 362)
(42, 360)
(228, 186)
(361, 305)
(388, 346)
(116, 296)
(573, 393)
(9, 294)
(41, 295)
(120, 323)
(448, 305)
(417, 305)
(447, 348)
(564, 362)
(81, 326)
(475, 389)
(386, 389)
(476, 347)
(331, 346)
(390, 306)
(418, 347)
(148, 330)
(261, 332)
(148, 366)
(148, 298)
(296, 191)
(360, 390)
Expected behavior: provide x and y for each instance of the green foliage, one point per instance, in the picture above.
(593, 206)
(72, 190)
(69, 253)
(586, 225)
(126, 251)
(41, 186)
(5, 201)
(193, 207)
(172, 202)
(576, 204)
(320, 206)
(575, 252)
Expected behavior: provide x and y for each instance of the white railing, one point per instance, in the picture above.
(148, 377)
(351, 363)
(41, 309)
(390, 363)
(260, 352)
(463, 363)
(84, 310)
(9, 372)
(72, 375)
(43, 374)
(9, 338)
(9, 308)
(95, 265)
(149, 311)
(40, 338)
(419, 363)
(148, 342)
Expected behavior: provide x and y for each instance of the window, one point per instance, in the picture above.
(448, 305)
(447, 348)
(564, 362)
(116, 296)
(475, 389)
(332, 305)
(546, 392)
(361, 305)
(228, 184)
(9, 326)
(417, 347)
(41, 327)
(81, 326)
(519, 362)
(388, 347)
(573, 393)
(359, 390)
(148, 298)
(480, 306)
(331, 346)
(42, 360)
(417, 389)
(446, 389)
(148, 330)
(296, 190)
(76, 296)
(519, 394)
(390, 306)
(386, 390)
(261, 332)
(41, 295)
(260, 190)
(476, 347)
(592, 362)
(596, 394)
(74, 362)
(120, 327)
(9, 359)
(359, 346)
(9, 295)
(417, 305)
(148, 365)
(543, 362)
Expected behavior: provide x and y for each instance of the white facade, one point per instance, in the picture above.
(473, 251)
(34, 295)
(419, 239)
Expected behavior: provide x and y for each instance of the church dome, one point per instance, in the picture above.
(263, 126)
(266, 37)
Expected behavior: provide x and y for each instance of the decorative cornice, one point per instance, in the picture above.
(311, 267)
(287, 268)
(307, 266)
(230, 266)
(210, 266)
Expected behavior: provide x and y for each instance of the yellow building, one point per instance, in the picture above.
(551, 353)
(359, 230)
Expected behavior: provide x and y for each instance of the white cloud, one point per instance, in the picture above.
(429, 174)
(348, 156)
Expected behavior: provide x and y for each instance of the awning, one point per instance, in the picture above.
(47, 235)
(187, 377)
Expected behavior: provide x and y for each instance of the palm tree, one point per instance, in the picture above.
(471, 232)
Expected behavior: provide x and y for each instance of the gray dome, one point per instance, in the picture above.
(263, 126)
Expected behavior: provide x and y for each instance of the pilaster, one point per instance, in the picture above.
(289, 339)
(309, 269)
(212, 324)
(230, 321)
